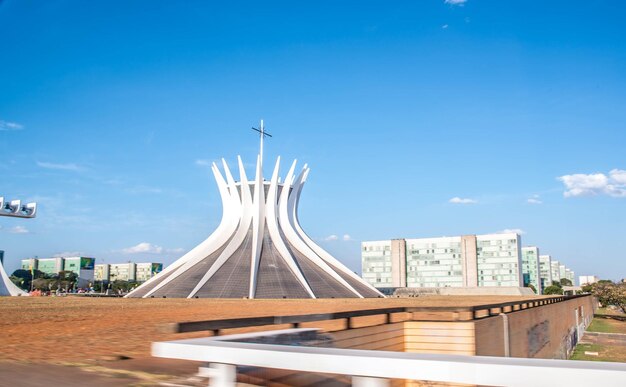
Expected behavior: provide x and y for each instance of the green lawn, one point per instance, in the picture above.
(607, 325)
(605, 353)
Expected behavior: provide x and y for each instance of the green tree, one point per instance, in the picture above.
(556, 283)
(565, 282)
(609, 293)
(553, 289)
(587, 288)
(25, 277)
(532, 287)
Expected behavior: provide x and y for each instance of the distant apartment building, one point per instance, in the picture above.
(545, 270)
(128, 271)
(83, 267)
(461, 261)
(587, 279)
(531, 268)
(555, 271)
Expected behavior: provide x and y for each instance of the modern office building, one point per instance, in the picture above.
(562, 271)
(50, 266)
(379, 273)
(530, 268)
(461, 261)
(587, 279)
(545, 270)
(555, 271)
(101, 272)
(147, 270)
(83, 267)
(128, 271)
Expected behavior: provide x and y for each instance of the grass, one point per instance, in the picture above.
(605, 353)
(607, 325)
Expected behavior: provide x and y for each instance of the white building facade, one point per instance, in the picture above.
(530, 267)
(460, 261)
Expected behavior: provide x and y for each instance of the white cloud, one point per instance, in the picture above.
(149, 248)
(68, 254)
(143, 248)
(203, 163)
(346, 237)
(142, 189)
(581, 184)
(64, 167)
(511, 231)
(444, 26)
(534, 200)
(332, 237)
(456, 2)
(458, 200)
(19, 230)
(6, 126)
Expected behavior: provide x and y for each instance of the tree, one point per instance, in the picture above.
(609, 293)
(587, 288)
(565, 282)
(553, 289)
(531, 286)
(556, 283)
(26, 277)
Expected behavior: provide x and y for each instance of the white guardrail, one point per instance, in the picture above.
(374, 368)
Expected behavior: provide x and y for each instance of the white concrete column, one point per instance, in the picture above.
(223, 375)
(362, 381)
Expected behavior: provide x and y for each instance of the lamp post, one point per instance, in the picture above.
(16, 209)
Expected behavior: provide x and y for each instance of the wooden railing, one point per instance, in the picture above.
(390, 315)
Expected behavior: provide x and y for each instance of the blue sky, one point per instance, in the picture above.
(109, 111)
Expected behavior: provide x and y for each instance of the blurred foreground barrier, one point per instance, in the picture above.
(376, 368)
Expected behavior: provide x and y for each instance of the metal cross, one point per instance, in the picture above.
(263, 133)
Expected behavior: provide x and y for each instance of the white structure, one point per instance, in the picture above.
(587, 279)
(461, 261)
(369, 368)
(259, 249)
(530, 267)
(7, 287)
(15, 209)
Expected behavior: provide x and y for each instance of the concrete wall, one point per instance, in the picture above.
(388, 337)
(546, 332)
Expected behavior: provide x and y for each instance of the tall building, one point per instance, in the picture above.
(545, 271)
(259, 250)
(461, 261)
(378, 272)
(83, 267)
(147, 270)
(555, 271)
(101, 272)
(530, 268)
(562, 271)
(587, 279)
(569, 274)
(123, 271)
(128, 271)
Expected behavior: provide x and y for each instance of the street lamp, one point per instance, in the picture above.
(16, 209)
